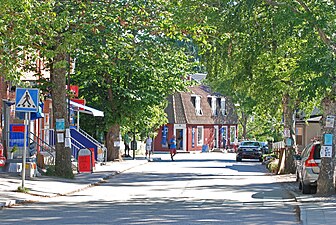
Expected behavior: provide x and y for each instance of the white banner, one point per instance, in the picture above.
(326, 151)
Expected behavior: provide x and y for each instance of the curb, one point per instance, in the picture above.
(300, 213)
(10, 203)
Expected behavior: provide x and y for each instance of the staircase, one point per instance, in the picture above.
(80, 139)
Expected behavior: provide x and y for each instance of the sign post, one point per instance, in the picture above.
(26, 100)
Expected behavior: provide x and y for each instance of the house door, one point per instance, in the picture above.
(179, 139)
(180, 133)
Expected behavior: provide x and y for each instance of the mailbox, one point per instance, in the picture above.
(85, 163)
(134, 145)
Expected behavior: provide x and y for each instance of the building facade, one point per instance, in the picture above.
(200, 120)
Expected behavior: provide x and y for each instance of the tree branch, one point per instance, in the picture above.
(324, 37)
(321, 32)
(281, 4)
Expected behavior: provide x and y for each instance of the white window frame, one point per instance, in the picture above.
(233, 137)
(216, 136)
(198, 108)
(225, 134)
(214, 106)
(223, 106)
(199, 141)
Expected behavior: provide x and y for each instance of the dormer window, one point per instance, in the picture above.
(213, 104)
(223, 106)
(196, 100)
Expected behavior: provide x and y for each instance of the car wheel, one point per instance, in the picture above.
(306, 189)
(238, 159)
(260, 159)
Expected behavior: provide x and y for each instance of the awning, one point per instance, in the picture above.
(86, 109)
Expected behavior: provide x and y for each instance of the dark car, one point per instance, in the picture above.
(249, 150)
(264, 147)
(308, 167)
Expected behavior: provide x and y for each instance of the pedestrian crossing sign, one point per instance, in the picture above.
(26, 99)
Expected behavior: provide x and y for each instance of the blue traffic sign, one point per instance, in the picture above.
(26, 99)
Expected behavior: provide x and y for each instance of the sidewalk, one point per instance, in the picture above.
(314, 210)
(45, 186)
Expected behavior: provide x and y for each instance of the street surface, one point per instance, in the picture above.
(202, 188)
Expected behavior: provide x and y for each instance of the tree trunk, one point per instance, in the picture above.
(244, 125)
(289, 125)
(3, 95)
(112, 137)
(325, 184)
(63, 167)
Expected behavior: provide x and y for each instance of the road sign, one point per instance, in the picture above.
(26, 99)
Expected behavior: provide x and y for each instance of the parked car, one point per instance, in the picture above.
(249, 150)
(264, 147)
(308, 167)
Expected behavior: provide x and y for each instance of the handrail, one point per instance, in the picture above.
(88, 136)
(76, 146)
(102, 146)
(42, 141)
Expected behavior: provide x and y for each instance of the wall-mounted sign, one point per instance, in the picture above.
(289, 142)
(286, 133)
(326, 151)
(328, 139)
(330, 120)
(60, 125)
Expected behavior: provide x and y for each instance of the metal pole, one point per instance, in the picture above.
(134, 144)
(78, 119)
(23, 170)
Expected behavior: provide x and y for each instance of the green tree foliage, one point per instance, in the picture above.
(270, 55)
(129, 62)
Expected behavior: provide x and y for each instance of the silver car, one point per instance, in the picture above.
(308, 167)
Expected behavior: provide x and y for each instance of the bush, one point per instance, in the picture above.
(51, 171)
(273, 165)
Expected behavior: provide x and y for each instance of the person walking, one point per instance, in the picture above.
(149, 143)
(127, 147)
(172, 143)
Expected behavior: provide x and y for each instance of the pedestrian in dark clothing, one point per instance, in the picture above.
(127, 147)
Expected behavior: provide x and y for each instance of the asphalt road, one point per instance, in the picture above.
(206, 188)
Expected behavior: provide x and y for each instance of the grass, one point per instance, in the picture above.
(23, 189)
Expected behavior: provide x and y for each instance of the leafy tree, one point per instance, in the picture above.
(260, 51)
(43, 32)
(319, 17)
(129, 62)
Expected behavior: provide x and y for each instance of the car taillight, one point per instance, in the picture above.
(2, 161)
(310, 162)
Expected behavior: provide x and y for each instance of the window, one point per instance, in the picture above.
(196, 100)
(224, 135)
(233, 136)
(299, 135)
(199, 136)
(223, 106)
(213, 104)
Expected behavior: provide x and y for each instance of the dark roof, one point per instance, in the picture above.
(182, 111)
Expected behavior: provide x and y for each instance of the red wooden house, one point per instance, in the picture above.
(200, 119)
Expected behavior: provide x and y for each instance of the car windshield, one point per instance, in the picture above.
(250, 143)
